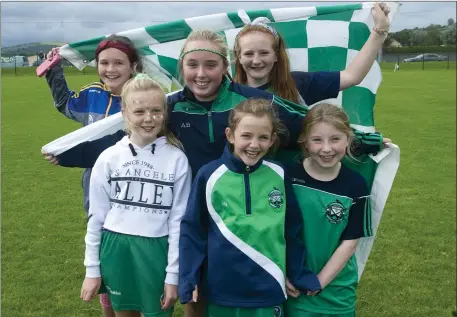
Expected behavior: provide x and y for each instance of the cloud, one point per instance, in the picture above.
(76, 21)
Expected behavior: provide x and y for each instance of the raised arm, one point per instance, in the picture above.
(68, 102)
(361, 64)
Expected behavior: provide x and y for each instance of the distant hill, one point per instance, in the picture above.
(30, 49)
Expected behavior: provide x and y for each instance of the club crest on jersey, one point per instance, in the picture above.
(275, 198)
(335, 212)
(277, 311)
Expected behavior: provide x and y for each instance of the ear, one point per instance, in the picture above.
(229, 135)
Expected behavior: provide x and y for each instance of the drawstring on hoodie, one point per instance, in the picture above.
(134, 152)
(132, 149)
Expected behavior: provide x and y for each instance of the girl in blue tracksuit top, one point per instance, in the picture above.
(117, 60)
(241, 218)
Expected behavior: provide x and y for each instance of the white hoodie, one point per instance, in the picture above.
(144, 195)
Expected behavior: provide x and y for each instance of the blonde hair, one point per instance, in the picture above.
(328, 113)
(143, 82)
(281, 82)
(211, 37)
(258, 107)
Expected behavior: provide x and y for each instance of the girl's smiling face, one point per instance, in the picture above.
(203, 71)
(252, 138)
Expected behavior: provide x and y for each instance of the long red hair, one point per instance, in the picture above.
(281, 82)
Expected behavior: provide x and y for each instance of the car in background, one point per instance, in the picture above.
(14, 61)
(426, 57)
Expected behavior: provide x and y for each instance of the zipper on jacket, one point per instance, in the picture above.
(210, 127)
(247, 192)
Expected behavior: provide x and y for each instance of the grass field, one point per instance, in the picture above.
(411, 271)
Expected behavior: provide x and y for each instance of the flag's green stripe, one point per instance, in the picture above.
(145, 51)
(237, 22)
(294, 33)
(87, 48)
(170, 64)
(358, 35)
(331, 58)
(357, 103)
(337, 16)
(260, 13)
(170, 31)
(324, 10)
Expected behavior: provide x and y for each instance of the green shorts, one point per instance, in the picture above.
(296, 312)
(133, 272)
(223, 311)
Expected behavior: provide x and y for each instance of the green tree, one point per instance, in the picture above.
(449, 35)
(450, 21)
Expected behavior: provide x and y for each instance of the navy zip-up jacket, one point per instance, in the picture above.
(242, 225)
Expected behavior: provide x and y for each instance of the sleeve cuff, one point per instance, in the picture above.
(171, 278)
(93, 271)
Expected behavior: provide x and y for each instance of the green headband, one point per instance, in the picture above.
(202, 49)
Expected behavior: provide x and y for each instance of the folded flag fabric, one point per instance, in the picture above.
(322, 38)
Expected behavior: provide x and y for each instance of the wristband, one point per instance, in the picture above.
(381, 31)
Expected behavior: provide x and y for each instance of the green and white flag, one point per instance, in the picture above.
(323, 38)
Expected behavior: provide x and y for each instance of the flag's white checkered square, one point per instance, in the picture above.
(288, 14)
(363, 16)
(374, 77)
(318, 32)
(169, 49)
(139, 37)
(230, 35)
(153, 68)
(214, 22)
(73, 56)
(298, 59)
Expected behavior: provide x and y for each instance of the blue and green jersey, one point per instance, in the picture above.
(243, 226)
(332, 211)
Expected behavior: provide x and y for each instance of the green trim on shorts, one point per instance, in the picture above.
(223, 311)
(296, 312)
(133, 272)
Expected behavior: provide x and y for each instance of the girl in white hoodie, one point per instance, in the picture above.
(138, 194)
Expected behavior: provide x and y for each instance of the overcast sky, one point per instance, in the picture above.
(25, 22)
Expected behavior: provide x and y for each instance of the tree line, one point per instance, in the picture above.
(432, 35)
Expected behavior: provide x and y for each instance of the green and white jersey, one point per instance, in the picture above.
(332, 211)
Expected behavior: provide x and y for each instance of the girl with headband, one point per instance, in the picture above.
(117, 60)
(261, 61)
